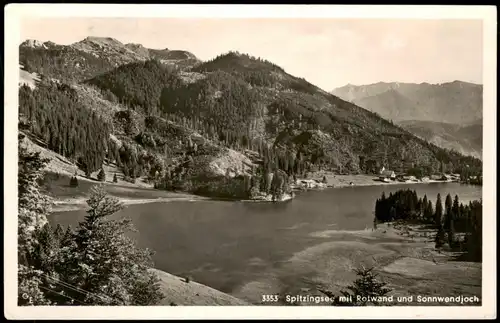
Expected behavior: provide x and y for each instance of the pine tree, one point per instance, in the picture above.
(429, 212)
(101, 176)
(278, 184)
(115, 179)
(106, 263)
(265, 180)
(58, 233)
(475, 238)
(392, 214)
(447, 210)
(440, 236)
(73, 182)
(363, 291)
(455, 209)
(67, 238)
(424, 206)
(451, 233)
(439, 212)
(33, 208)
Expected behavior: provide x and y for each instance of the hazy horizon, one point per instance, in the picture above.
(329, 53)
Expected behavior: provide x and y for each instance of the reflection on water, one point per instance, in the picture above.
(226, 244)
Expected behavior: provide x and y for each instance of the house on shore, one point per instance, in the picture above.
(386, 174)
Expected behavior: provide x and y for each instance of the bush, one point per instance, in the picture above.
(73, 182)
(101, 176)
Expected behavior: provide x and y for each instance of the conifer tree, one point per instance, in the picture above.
(105, 263)
(455, 209)
(447, 209)
(363, 291)
(438, 216)
(425, 203)
(475, 238)
(101, 176)
(58, 233)
(451, 233)
(440, 237)
(33, 208)
(73, 182)
(429, 212)
(265, 180)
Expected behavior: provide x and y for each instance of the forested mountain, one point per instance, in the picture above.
(434, 112)
(64, 124)
(179, 125)
(91, 56)
(466, 139)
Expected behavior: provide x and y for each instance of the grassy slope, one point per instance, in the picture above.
(30, 79)
(180, 292)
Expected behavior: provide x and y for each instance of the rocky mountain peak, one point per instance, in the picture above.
(33, 43)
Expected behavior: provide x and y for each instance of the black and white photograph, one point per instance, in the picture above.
(242, 161)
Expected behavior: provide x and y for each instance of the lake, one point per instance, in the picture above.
(226, 245)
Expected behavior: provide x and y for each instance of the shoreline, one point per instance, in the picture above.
(76, 204)
(343, 181)
(66, 204)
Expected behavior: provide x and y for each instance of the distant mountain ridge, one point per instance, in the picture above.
(447, 114)
(455, 102)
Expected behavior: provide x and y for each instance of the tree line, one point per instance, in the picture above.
(64, 124)
(62, 62)
(455, 217)
(138, 85)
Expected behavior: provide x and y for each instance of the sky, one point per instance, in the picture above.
(328, 52)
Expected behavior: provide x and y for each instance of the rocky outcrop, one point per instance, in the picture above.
(33, 43)
(231, 163)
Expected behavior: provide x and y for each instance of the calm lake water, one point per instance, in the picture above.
(215, 241)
